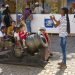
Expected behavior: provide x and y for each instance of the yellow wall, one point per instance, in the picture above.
(12, 4)
(63, 3)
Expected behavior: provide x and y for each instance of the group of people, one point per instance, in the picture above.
(8, 29)
(22, 32)
(27, 14)
(13, 33)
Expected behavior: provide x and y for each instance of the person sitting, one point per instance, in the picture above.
(3, 37)
(17, 38)
(23, 35)
(10, 31)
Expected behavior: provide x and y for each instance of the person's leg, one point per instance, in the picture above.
(30, 26)
(63, 47)
(24, 44)
(49, 49)
(28, 23)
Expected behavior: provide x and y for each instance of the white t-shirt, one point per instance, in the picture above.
(38, 10)
(16, 35)
(2, 9)
(2, 24)
(1, 34)
(63, 27)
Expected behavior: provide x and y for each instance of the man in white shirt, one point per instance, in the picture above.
(38, 9)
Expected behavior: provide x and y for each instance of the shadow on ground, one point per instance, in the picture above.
(19, 70)
(55, 47)
(60, 72)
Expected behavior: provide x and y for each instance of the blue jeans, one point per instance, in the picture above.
(63, 43)
(28, 23)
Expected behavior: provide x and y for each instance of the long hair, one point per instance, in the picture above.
(67, 18)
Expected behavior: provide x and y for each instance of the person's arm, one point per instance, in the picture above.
(9, 32)
(57, 23)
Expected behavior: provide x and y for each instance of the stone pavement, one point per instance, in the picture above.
(51, 68)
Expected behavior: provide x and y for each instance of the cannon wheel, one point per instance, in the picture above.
(18, 52)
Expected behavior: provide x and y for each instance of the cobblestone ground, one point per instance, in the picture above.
(51, 68)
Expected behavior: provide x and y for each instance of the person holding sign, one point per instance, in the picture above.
(64, 30)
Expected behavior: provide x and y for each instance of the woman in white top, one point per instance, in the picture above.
(64, 30)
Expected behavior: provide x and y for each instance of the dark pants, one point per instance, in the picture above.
(63, 47)
(12, 39)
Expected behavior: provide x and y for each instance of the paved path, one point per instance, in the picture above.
(51, 68)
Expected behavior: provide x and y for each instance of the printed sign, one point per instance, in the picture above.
(49, 23)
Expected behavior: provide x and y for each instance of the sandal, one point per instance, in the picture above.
(63, 66)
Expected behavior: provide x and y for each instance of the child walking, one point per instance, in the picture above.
(64, 30)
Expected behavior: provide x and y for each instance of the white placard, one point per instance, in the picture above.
(38, 21)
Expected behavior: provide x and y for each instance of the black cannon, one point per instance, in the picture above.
(35, 42)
